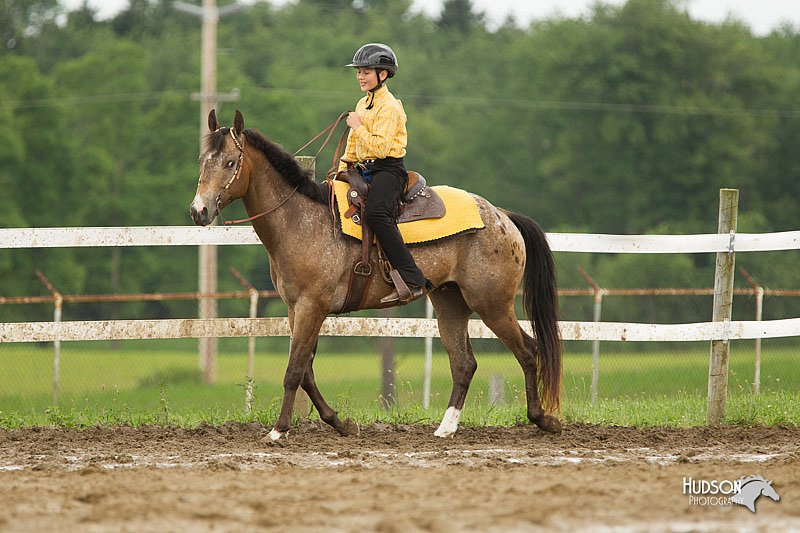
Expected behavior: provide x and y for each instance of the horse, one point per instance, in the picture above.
(751, 488)
(310, 266)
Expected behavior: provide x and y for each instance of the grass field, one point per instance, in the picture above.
(137, 384)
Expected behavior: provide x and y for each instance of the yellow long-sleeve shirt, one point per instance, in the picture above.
(382, 132)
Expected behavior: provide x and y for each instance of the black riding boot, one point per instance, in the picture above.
(382, 207)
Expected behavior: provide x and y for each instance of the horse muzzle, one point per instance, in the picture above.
(200, 213)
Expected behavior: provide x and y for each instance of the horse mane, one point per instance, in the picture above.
(282, 161)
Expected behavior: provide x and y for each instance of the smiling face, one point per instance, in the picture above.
(368, 78)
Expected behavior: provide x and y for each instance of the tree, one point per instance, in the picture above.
(22, 19)
(457, 15)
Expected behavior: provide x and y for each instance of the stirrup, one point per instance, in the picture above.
(413, 294)
(402, 293)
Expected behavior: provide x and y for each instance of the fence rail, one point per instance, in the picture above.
(244, 235)
(724, 243)
(89, 330)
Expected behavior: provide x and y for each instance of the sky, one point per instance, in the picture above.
(760, 15)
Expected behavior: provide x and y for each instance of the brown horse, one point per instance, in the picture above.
(310, 267)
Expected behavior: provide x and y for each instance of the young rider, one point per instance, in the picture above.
(377, 143)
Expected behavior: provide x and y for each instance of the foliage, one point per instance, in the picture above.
(626, 121)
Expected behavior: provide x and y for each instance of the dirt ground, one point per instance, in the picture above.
(390, 479)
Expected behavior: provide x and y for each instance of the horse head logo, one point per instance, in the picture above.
(751, 488)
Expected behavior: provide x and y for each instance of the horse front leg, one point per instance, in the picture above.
(305, 325)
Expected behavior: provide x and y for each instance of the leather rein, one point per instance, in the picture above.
(328, 129)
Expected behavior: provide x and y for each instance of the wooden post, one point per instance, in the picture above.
(208, 96)
(497, 394)
(723, 303)
(207, 255)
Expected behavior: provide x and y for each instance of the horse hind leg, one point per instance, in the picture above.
(453, 318)
(524, 348)
(536, 414)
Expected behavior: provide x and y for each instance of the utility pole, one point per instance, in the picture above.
(207, 256)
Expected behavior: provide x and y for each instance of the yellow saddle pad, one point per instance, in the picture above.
(462, 215)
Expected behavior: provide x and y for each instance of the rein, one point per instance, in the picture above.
(328, 129)
(267, 212)
(239, 165)
(331, 173)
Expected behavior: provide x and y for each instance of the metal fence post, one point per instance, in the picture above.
(251, 341)
(426, 394)
(719, 358)
(758, 292)
(58, 301)
(598, 308)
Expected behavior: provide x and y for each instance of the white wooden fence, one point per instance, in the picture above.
(724, 330)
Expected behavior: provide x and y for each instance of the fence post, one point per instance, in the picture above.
(388, 369)
(426, 394)
(251, 341)
(598, 308)
(758, 292)
(723, 302)
(58, 301)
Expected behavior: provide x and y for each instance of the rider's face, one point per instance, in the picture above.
(368, 78)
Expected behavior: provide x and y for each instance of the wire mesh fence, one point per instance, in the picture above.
(371, 373)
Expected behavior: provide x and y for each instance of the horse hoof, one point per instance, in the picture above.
(347, 428)
(274, 435)
(449, 424)
(548, 424)
(443, 433)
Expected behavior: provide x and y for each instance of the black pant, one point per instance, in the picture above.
(383, 204)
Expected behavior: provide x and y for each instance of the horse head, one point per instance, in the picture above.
(751, 488)
(223, 176)
(769, 491)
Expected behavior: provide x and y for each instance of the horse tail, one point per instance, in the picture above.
(540, 302)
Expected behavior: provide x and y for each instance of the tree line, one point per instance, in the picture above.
(628, 120)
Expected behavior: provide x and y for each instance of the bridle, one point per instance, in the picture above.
(236, 173)
(240, 163)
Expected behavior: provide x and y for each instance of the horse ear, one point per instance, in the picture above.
(238, 123)
(213, 123)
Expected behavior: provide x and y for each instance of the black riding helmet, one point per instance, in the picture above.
(375, 55)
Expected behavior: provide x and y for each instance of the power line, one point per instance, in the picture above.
(471, 101)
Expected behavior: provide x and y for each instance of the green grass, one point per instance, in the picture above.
(138, 385)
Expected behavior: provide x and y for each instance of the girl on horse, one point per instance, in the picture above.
(376, 145)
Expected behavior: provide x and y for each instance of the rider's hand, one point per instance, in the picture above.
(353, 120)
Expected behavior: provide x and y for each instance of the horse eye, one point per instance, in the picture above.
(230, 164)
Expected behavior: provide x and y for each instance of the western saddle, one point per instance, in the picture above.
(419, 202)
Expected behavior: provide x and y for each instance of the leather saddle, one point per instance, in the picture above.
(419, 201)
